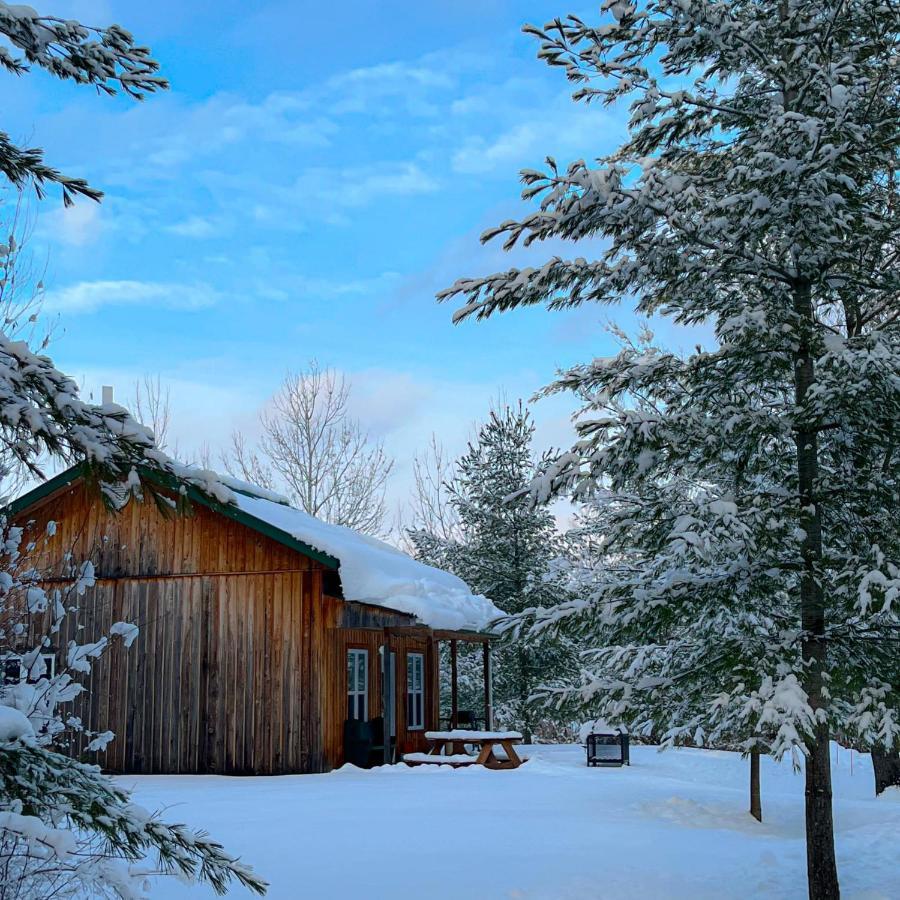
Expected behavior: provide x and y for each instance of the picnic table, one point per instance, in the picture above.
(448, 748)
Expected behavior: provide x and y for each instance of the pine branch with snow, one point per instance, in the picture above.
(67, 830)
(107, 58)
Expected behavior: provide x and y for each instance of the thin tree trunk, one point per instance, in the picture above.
(755, 797)
(820, 857)
(524, 694)
(887, 770)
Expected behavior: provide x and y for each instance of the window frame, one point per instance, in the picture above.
(412, 692)
(49, 658)
(352, 689)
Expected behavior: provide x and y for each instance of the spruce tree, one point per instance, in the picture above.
(754, 482)
(505, 549)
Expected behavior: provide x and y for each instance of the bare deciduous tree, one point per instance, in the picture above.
(205, 456)
(430, 507)
(313, 450)
(244, 462)
(151, 405)
(21, 276)
(21, 302)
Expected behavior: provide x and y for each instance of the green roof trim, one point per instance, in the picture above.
(50, 486)
(193, 493)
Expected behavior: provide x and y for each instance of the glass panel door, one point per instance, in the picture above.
(391, 711)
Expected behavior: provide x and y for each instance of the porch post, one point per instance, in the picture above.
(387, 711)
(488, 688)
(454, 688)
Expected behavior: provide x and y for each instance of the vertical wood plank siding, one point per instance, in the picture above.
(240, 664)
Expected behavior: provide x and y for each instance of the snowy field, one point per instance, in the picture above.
(671, 826)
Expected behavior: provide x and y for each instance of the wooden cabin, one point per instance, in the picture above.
(262, 629)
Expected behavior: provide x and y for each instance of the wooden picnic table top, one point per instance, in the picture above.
(466, 736)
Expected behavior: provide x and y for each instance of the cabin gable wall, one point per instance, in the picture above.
(140, 540)
(222, 677)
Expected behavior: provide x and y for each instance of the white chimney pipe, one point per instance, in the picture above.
(107, 394)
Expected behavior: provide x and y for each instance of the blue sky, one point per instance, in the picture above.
(315, 174)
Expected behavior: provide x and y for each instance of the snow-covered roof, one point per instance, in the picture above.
(372, 571)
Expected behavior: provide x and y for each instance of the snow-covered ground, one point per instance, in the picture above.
(671, 826)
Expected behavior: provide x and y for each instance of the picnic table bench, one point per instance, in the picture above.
(448, 748)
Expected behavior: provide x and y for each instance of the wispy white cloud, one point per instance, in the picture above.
(517, 136)
(90, 296)
(319, 194)
(478, 155)
(291, 286)
(72, 226)
(388, 89)
(291, 157)
(304, 119)
(195, 227)
(281, 117)
(161, 141)
(324, 287)
(360, 185)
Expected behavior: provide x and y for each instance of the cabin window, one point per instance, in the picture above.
(415, 691)
(358, 684)
(14, 671)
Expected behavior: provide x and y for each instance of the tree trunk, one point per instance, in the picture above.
(755, 798)
(887, 770)
(821, 865)
(524, 694)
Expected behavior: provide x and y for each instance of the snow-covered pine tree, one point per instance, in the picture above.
(757, 193)
(507, 555)
(65, 829)
(434, 534)
(504, 549)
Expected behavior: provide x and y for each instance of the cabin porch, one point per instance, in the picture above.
(390, 709)
(454, 718)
